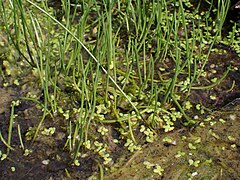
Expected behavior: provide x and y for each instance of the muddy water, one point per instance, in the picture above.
(45, 158)
(213, 148)
(209, 151)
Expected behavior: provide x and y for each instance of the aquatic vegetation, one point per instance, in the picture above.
(112, 76)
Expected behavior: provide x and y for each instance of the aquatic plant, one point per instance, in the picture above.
(126, 67)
